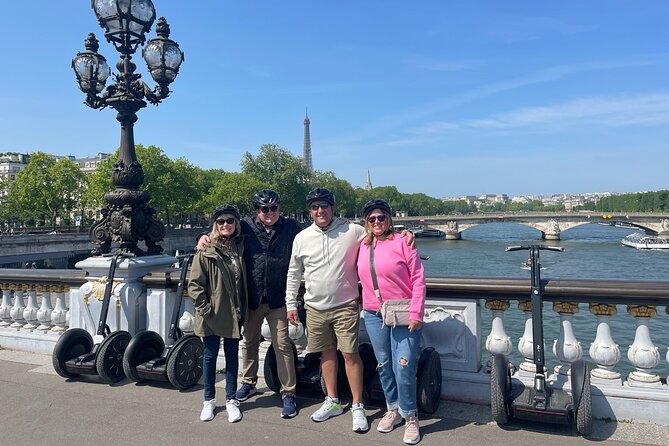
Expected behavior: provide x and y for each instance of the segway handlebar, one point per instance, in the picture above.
(527, 247)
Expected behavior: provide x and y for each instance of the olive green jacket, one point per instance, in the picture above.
(220, 306)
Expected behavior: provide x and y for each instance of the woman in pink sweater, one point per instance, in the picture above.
(400, 275)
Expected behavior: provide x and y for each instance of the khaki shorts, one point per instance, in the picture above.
(333, 329)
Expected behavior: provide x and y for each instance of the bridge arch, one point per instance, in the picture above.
(551, 225)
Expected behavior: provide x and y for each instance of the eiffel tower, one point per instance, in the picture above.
(307, 162)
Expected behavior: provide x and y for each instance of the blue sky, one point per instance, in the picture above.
(435, 96)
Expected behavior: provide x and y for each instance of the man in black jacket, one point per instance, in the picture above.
(268, 243)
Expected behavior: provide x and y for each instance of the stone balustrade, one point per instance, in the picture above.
(466, 321)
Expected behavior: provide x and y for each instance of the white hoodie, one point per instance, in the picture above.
(327, 261)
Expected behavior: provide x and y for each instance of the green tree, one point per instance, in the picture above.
(233, 188)
(46, 189)
(276, 168)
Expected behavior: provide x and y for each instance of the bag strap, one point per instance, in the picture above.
(375, 282)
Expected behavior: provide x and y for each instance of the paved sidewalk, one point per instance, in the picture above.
(37, 407)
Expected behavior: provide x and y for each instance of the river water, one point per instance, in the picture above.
(592, 251)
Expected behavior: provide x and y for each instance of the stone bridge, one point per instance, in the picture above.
(551, 225)
(35, 247)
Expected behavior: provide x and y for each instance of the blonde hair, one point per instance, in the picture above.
(215, 236)
(369, 234)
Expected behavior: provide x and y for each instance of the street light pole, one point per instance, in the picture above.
(127, 218)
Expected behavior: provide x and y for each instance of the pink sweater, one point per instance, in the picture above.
(399, 273)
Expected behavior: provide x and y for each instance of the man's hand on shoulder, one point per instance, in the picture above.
(203, 242)
(411, 241)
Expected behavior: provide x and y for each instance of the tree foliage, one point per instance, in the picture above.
(657, 201)
(276, 168)
(45, 191)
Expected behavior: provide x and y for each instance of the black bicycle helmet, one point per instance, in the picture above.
(266, 197)
(321, 193)
(225, 209)
(376, 203)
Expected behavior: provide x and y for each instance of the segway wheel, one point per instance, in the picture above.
(270, 369)
(184, 363)
(581, 393)
(109, 361)
(369, 365)
(429, 380)
(500, 390)
(73, 343)
(143, 347)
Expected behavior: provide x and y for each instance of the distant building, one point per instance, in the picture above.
(11, 163)
(368, 184)
(90, 164)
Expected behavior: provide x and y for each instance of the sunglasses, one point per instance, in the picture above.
(268, 209)
(374, 218)
(315, 207)
(228, 220)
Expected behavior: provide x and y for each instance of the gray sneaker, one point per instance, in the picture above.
(329, 408)
(359, 418)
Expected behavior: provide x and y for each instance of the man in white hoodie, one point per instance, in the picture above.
(325, 255)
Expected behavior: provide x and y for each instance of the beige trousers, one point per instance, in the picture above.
(278, 326)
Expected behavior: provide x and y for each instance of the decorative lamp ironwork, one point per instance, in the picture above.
(127, 219)
(163, 56)
(125, 21)
(91, 68)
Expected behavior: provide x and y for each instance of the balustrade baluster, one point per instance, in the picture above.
(6, 306)
(566, 347)
(45, 309)
(59, 313)
(30, 312)
(642, 353)
(498, 343)
(526, 341)
(666, 310)
(16, 313)
(604, 351)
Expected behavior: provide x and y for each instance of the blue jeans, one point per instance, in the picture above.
(231, 350)
(397, 352)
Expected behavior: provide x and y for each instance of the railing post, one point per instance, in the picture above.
(45, 309)
(666, 310)
(16, 312)
(30, 312)
(526, 341)
(642, 353)
(497, 342)
(5, 306)
(604, 351)
(566, 347)
(59, 313)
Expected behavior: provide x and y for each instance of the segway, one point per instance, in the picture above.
(178, 360)
(513, 399)
(78, 353)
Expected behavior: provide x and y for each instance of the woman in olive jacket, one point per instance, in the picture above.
(217, 285)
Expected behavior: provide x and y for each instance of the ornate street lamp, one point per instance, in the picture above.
(127, 217)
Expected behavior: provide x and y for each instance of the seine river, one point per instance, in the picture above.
(592, 251)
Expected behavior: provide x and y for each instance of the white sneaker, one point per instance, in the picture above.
(208, 408)
(359, 418)
(234, 414)
(329, 408)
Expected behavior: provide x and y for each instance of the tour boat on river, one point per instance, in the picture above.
(642, 241)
